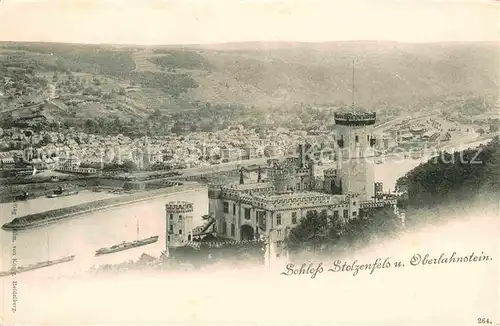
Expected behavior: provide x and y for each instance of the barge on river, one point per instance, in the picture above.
(126, 245)
(59, 214)
(38, 265)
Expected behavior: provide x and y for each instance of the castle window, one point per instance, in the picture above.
(294, 217)
(261, 219)
(180, 231)
(356, 139)
(226, 207)
(346, 213)
(171, 216)
(247, 213)
(233, 229)
(278, 233)
(224, 228)
(168, 238)
(279, 244)
(171, 228)
(180, 217)
(335, 214)
(367, 137)
(354, 214)
(234, 209)
(278, 219)
(354, 203)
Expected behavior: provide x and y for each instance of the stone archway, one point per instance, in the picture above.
(247, 232)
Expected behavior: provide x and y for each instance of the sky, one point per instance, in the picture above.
(154, 22)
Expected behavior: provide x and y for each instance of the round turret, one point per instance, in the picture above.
(179, 207)
(179, 223)
(355, 119)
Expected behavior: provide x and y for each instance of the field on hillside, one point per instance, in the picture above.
(91, 81)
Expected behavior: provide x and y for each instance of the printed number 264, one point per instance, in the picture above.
(483, 321)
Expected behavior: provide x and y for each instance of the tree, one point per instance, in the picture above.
(91, 126)
(46, 140)
(449, 178)
(129, 166)
(318, 230)
(309, 232)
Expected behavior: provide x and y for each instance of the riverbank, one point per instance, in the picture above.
(55, 215)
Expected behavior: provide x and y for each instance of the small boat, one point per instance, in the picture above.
(127, 245)
(23, 196)
(116, 191)
(62, 193)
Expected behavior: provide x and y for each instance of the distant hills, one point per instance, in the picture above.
(126, 82)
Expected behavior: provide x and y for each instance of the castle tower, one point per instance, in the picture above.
(355, 143)
(331, 182)
(284, 178)
(179, 223)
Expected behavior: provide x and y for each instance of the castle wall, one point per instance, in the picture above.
(358, 176)
(279, 215)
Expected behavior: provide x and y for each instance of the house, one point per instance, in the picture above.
(38, 163)
(249, 152)
(230, 154)
(50, 163)
(427, 136)
(406, 137)
(7, 162)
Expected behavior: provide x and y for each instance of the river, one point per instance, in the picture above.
(83, 235)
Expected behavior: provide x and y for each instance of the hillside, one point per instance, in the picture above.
(75, 82)
(457, 178)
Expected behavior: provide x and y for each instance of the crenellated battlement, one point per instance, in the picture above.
(330, 172)
(215, 191)
(378, 204)
(303, 171)
(355, 119)
(179, 207)
(284, 171)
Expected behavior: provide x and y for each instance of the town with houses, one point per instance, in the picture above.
(63, 150)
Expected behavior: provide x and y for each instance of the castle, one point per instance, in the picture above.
(270, 208)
